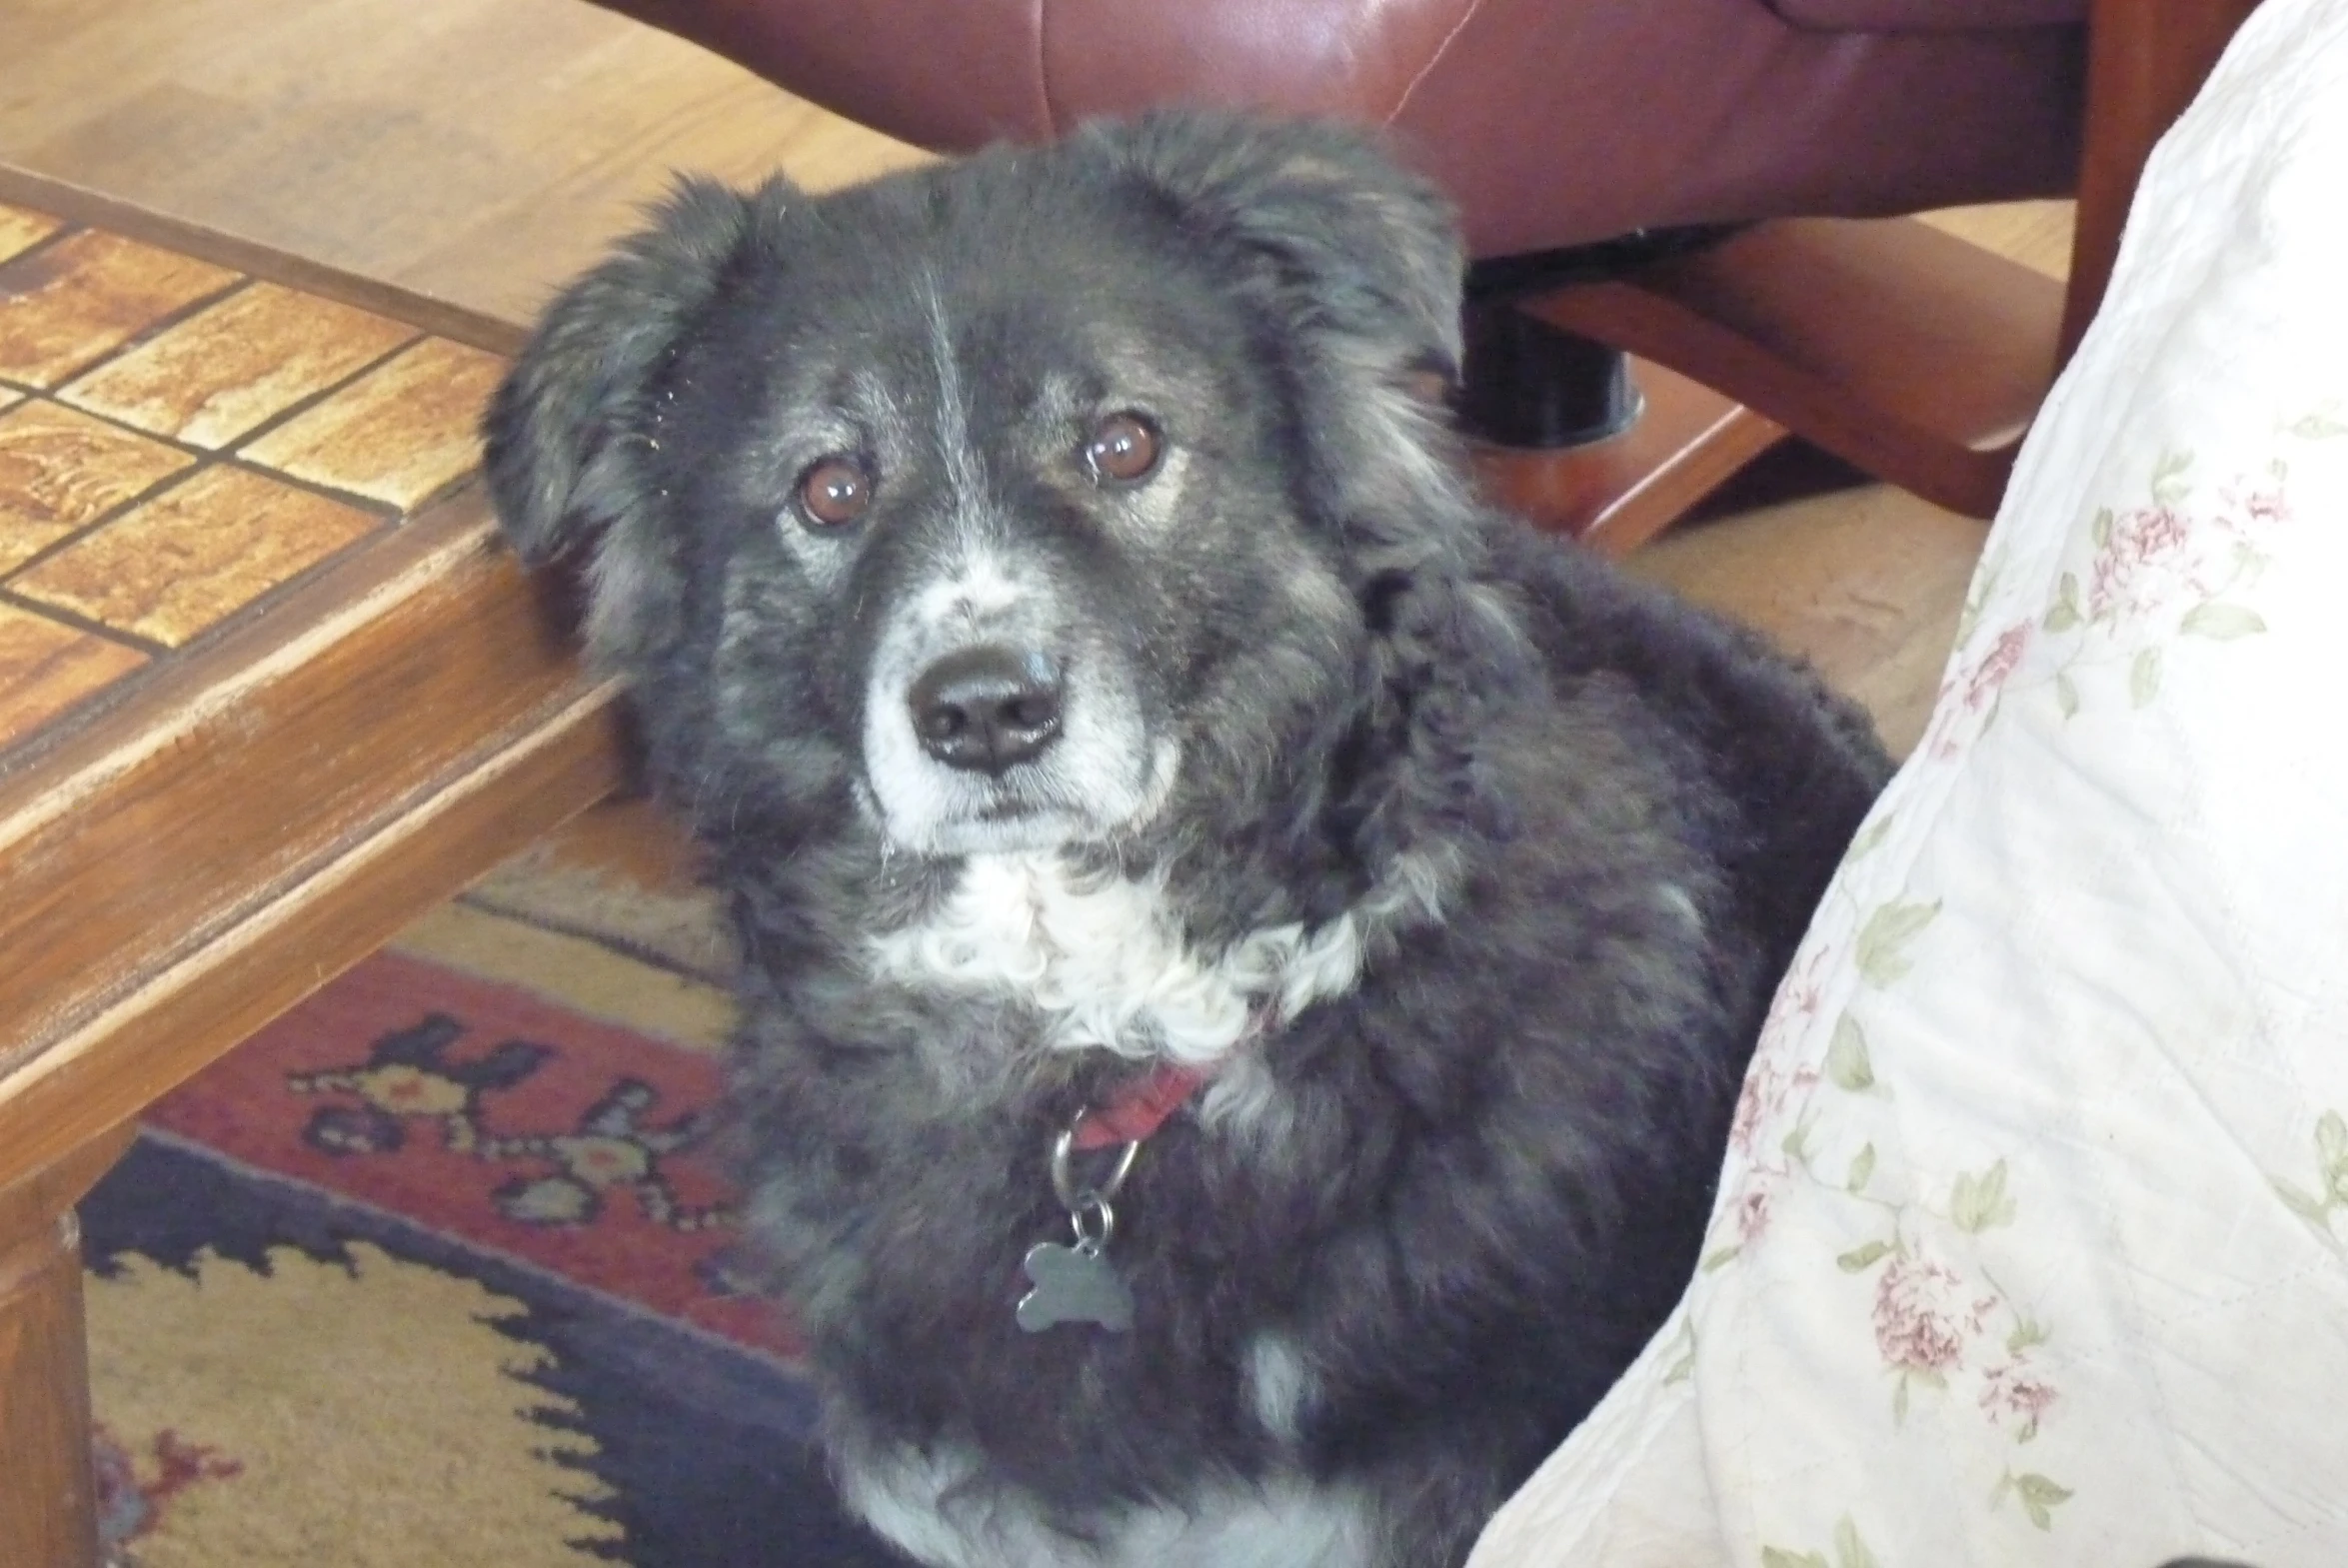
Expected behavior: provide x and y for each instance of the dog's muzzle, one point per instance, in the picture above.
(1003, 714)
(988, 709)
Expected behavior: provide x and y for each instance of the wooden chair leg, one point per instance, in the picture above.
(48, 1496)
(1615, 495)
(1898, 348)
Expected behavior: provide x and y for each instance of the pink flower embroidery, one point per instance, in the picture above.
(1763, 1101)
(1922, 1320)
(1973, 690)
(2011, 1393)
(1797, 1001)
(1991, 675)
(2142, 545)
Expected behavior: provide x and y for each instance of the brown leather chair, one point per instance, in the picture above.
(1679, 179)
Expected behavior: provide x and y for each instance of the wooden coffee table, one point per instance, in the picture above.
(268, 689)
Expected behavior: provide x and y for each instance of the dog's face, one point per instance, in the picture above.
(1007, 500)
(989, 522)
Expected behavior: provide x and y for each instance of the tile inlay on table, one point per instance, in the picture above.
(69, 303)
(399, 433)
(61, 470)
(178, 441)
(46, 668)
(269, 690)
(20, 229)
(176, 564)
(220, 373)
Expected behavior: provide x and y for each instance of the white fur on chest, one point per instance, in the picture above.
(1104, 963)
(924, 1503)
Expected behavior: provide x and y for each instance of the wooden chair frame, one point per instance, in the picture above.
(1899, 348)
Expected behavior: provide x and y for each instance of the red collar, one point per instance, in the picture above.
(1141, 1108)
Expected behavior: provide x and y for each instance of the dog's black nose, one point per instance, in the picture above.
(984, 708)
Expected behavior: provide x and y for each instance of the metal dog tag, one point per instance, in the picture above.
(1074, 1285)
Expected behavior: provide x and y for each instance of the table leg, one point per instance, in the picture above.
(48, 1500)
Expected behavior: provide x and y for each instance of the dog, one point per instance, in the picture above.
(1248, 955)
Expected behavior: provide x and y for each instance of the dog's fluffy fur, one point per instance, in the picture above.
(1464, 863)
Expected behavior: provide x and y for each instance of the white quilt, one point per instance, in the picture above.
(2032, 1242)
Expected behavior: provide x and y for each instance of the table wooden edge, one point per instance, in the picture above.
(521, 741)
(515, 741)
(81, 205)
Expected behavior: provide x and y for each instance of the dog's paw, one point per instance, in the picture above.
(1074, 1285)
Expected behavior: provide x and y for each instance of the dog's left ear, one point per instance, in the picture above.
(1362, 263)
(1349, 244)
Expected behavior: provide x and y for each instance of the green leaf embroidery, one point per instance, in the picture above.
(2169, 484)
(2065, 613)
(1847, 1063)
(2222, 622)
(2144, 677)
(2312, 1209)
(1899, 1402)
(1870, 838)
(1850, 1550)
(2028, 1332)
(1684, 1367)
(2102, 528)
(1780, 1557)
(1719, 1256)
(1795, 1145)
(2066, 696)
(1882, 945)
(2331, 1140)
(1863, 1167)
(1863, 1257)
(2039, 1496)
(2279, 468)
(2317, 427)
(1978, 1202)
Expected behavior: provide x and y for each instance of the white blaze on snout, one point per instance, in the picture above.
(1102, 771)
(973, 601)
(981, 591)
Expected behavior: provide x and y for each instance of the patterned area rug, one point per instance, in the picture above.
(427, 1275)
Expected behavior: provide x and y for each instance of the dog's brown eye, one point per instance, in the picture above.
(834, 492)
(1123, 449)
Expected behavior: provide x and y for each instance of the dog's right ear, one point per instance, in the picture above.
(559, 432)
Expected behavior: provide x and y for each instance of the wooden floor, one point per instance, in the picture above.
(482, 150)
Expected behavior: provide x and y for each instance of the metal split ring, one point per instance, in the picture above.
(1063, 1180)
(1095, 1239)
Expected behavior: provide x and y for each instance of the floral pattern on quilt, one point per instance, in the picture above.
(2031, 1244)
(2177, 566)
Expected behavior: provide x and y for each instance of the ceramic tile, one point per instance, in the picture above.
(46, 668)
(20, 227)
(193, 554)
(233, 366)
(61, 470)
(399, 433)
(63, 306)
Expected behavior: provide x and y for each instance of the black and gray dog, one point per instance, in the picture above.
(1049, 595)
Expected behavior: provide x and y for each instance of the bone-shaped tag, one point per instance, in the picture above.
(1074, 1285)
